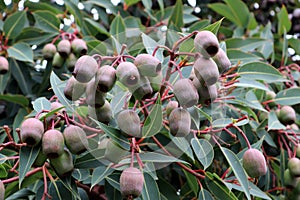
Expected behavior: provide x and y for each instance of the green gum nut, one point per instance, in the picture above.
(222, 61)
(40, 159)
(180, 122)
(270, 95)
(64, 48)
(75, 139)
(63, 165)
(85, 69)
(128, 74)
(148, 65)
(206, 43)
(208, 93)
(71, 61)
(156, 81)
(185, 92)
(254, 163)
(206, 70)
(131, 182)
(287, 115)
(58, 61)
(171, 106)
(129, 122)
(289, 179)
(53, 143)
(94, 97)
(113, 152)
(103, 114)
(49, 51)
(79, 47)
(106, 78)
(31, 131)
(142, 90)
(74, 89)
(294, 166)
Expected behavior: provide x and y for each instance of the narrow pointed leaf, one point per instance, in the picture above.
(100, 173)
(41, 104)
(205, 195)
(273, 122)
(177, 15)
(150, 189)
(14, 24)
(46, 21)
(153, 122)
(21, 51)
(288, 97)
(204, 151)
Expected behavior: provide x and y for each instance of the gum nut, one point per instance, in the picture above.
(171, 106)
(287, 115)
(148, 65)
(222, 61)
(156, 82)
(71, 61)
(180, 122)
(75, 139)
(79, 47)
(113, 152)
(4, 65)
(131, 182)
(53, 143)
(106, 78)
(129, 122)
(64, 48)
(208, 92)
(185, 92)
(94, 97)
(142, 90)
(206, 43)
(49, 51)
(63, 165)
(58, 61)
(31, 131)
(102, 114)
(128, 74)
(254, 163)
(294, 166)
(74, 89)
(206, 70)
(85, 69)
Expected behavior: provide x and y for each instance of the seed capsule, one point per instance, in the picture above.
(206, 70)
(142, 90)
(222, 61)
(74, 89)
(113, 152)
(185, 92)
(131, 182)
(206, 43)
(53, 143)
(94, 97)
(40, 159)
(171, 106)
(63, 165)
(102, 114)
(208, 93)
(106, 78)
(128, 74)
(4, 66)
(180, 122)
(49, 51)
(148, 65)
(75, 139)
(58, 61)
(85, 69)
(71, 61)
(129, 122)
(156, 81)
(32, 131)
(254, 163)
(79, 47)
(294, 166)
(287, 115)
(64, 48)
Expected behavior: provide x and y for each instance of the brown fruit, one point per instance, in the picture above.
(64, 48)
(32, 131)
(94, 97)
(294, 166)
(254, 163)
(131, 182)
(53, 143)
(49, 51)
(129, 122)
(128, 74)
(106, 78)
(102, 114)
(208, 93)
(148, 65)
(142, 90)
(2, 190)
(171, 106)
(206, 43)
(222, 61)
(58, 61)
(75, 139)
(185, 92)
(287, 115)
(74, 89)
(79, 47)
(113, 152)
(63, 165)
(180, 122)
(85, 69)
(206, 70)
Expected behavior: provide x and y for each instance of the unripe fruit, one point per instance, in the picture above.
(94, 97)
(4, 66)
(56, 105)
(185, 92)
(298, 151)
(75, 139)
(296, 13)
(289, 179)
(180, 122)
(254, 163)
(74, 89)
(208, 93)
(79, 47)
(142, 90)
(58, 61)
(64, 48)
(270, 95)
(206, 70)
(287, 115)
(206, 43)
(49, 51)
(53, 143)
(222, 61)
(131, 182)
(102, 114)
(32, 131)
(40, 159)
(148, 65)
(63, 165)
(171, 106)
(106, 78)
(156, 81)
(113, 152)
(128, 74)
(85, 68)
(294, 166)
(262, 116)
(71, 61)
(2, 190)
(129, 122)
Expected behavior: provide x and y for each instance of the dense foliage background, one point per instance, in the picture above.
(262, 42)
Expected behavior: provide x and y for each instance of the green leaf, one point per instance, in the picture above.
(81, 174)
(284, 23)
(73, 9)
(205, 195)
(214, 27)
(90, 27)
(15, 98)
(183, 146)
(20, 116)
(3, 171)
(268, 48)
(248, 83)
(289, 97)
(150, 189)
(261, 71)
(21, 74)
(118, 101)
(204, 151)
(273, 122)
(224, 10)
(117, 29)
(21, 51)
(155, 158)
(240, 11)
(153, 122)
(96, 47)
(112, 187)
(245, 44)
(237, 56)
(46, 21)
(192, 181)
(90, 160)
(33, 6)
(295, 44)
(4, 78)
(41, 104)
(34, 36)
(151, 44)
(100, 173)
(27, 158)
(207, 116)
(14, 24)
(104, 4)
(130, 2)
(147, 4)
(221, 123)
(177, 15)
(237, 169)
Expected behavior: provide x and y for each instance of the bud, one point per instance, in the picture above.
(49, 51)
(206, 70)
(58, 61)
(64, 48)
(254, 163)
(75, 139)
(222, 61)
(129, 122)
(63, 165)
(85, 69)
(71, 61)
(74, 89)
(287, 115)
(53, 143)
(94, 97)
(113, 152)
(185, 92)
(171, 106)
(31, 131)
(128, 74)
(294, 166)
(206, 43)
(180, 122)
(102, 114)
(131, 182)
(148, 65)
(106, 78)
(142, 90)
(79, 47)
